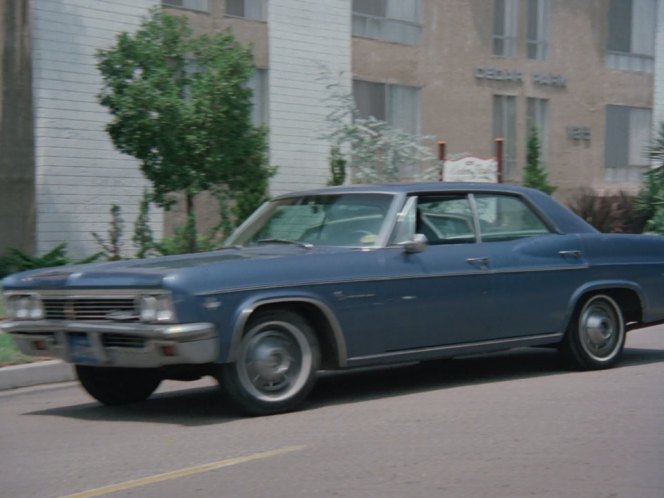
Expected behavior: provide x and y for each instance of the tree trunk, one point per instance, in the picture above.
(191, 224)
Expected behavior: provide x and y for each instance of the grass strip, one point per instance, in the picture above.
(9, 353)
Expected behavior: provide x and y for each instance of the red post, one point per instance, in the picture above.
(500, 143)
(442, 146)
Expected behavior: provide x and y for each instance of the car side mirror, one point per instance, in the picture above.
(417, 244)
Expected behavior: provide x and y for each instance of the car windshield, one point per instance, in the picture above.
(354, 220)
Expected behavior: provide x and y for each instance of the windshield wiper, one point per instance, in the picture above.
(305, 245)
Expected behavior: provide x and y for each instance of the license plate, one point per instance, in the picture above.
(81, 349)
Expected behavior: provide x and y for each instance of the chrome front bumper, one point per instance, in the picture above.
(117, 344)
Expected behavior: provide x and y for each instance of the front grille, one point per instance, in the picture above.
(91, 309)
(122, 341)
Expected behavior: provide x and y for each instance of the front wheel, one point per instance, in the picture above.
(596, 335)
(276, 365)
(118, 386)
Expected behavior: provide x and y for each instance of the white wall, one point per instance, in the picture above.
(658, 111)
(305, 38)
(79, 174)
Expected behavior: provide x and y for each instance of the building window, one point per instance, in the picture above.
(537, 115)
(398, 105)
(627, 136)
(631, 35)
(247, 9)
(201, 5)
(391, 20)
(504, 126)
(505, 27)
(537, 42)
(259, 99)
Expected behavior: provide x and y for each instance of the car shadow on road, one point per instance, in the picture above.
(445, 374)
(187, 406)
(209, 405)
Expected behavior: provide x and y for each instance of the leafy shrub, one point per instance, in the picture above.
(337, 167)
(112, 248)
(143, 239)
(650, 202)
(15, 260)
(615, 213)
(179, 243)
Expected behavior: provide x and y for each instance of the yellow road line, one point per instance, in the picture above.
(113, 488)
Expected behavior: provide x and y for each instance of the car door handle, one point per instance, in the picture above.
(479, 261)
(574, 253)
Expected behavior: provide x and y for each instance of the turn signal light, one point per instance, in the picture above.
(169, 350)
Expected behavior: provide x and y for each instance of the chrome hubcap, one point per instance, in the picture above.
(601, 329)
(269, 362)
(275, 361)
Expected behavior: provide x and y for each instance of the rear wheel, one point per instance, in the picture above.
(276, 365)
(596, 335)
(118, 386)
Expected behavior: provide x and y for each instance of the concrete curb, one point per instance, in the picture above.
(33, 374)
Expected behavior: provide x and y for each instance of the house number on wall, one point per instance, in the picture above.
(579, 133)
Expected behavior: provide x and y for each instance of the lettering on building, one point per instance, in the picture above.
(516, 76)
(549, 79)
(494, 73)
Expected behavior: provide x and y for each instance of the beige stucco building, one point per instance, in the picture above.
(479, 69)
(461, 71)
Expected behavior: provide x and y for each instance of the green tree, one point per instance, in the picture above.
(534, 175)
(181, 106)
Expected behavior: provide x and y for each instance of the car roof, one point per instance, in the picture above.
(413, 188)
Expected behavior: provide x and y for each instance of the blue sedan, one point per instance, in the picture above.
(346, 277)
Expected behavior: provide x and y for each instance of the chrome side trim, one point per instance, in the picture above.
(458, 347)
(249, 309)
(393, 278)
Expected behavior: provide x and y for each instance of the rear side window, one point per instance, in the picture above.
(446, 219)
(503, 217)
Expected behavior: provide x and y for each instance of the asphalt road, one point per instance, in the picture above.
(510, 425)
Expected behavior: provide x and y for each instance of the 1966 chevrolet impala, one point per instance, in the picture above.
(345, 277)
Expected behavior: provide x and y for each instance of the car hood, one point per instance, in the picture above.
(227, 267)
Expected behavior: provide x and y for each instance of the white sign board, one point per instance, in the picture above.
(471, 169)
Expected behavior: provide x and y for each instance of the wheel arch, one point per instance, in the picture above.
(627, 295)
(318, 314)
